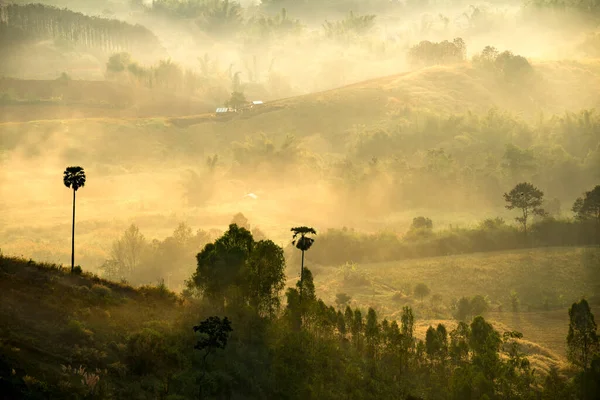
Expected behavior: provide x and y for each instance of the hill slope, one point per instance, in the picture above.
(28, 100)
(546, 281)
(560, 86)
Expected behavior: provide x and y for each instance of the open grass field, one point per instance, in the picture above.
(558, 276)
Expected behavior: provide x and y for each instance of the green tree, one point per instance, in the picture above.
(341, 299)
(421, 290)
(372, 331)
(74, 177)
(215, 334)
(436, 343)
(237, 100)
(463, 309)
(528, 199)
(265, 277)
(588, 208)
(479, 305)
(514, 301)
(236, 269)
(582, 339)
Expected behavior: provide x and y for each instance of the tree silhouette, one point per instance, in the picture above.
(237, 100)
(421, 291)
(526, 197)
(582, 340)
(74, 177)
(215, 335)
(303, 243)
(588, 208)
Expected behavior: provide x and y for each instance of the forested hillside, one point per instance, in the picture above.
(74, 336)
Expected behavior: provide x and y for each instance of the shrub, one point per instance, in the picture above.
(101, 291)
(76, 332)
(352, 275)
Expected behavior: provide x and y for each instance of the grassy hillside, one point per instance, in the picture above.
(50, 319)
(560, 86)
(27, 100)
(546, 281)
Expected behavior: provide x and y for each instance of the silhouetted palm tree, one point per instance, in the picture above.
(74, 177)
(303, 243)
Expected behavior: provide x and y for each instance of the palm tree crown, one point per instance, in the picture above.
(74, 177)
(304, 242)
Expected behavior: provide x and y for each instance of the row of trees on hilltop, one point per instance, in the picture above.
(39, 22)
(536, 227)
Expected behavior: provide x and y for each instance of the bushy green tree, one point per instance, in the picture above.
(528, 199)
(588, 208)
(236, 269)
(421, 290)
(582, 339)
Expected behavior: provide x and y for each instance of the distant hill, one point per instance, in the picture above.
(559, 86)
(27, 100)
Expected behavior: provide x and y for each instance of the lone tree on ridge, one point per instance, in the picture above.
(74, 177)
(528, 199)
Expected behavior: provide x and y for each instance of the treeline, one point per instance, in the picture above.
(338, 246)
(38, 22)
(250, 345)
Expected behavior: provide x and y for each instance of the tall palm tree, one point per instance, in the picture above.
(303, 243)
(74, 177)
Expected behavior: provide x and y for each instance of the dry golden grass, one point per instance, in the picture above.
(557, 275)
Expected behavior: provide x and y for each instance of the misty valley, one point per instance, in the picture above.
(277, 199)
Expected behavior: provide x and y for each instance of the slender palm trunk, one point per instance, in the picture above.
(302, 277)
(73, 236)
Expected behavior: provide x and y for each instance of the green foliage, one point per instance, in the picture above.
(216, 331)
(238, 270)
(351, 26)
(353, 355)
(582, 340)
(514, 301)
(421, 290)
(467, 308)
(342, 299)
(353, 276)
(588, 208)
(237, 100)
(267, 27)
(528, 199)
(428, 53)
(509, 68)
